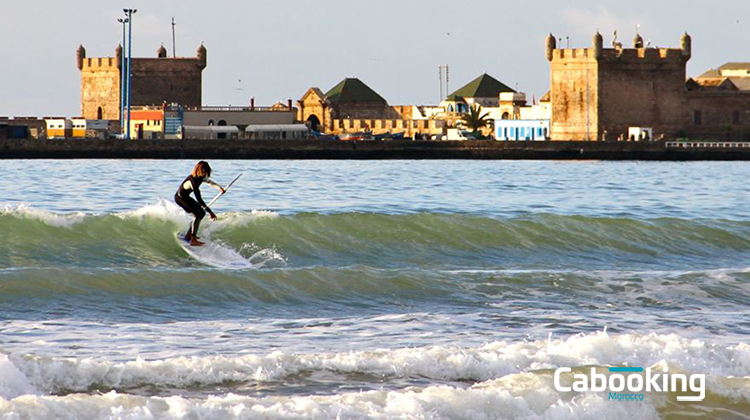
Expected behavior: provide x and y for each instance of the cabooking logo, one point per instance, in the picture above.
(632, 385)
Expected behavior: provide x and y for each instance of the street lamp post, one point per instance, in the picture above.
(129, 14)
(122, 74)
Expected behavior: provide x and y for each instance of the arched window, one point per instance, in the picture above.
(222, 122)
(99, 114)
(210, 122)
(450, 108)
(506, 116)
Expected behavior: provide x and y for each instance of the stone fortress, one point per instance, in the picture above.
(154, 81)
(597, 93)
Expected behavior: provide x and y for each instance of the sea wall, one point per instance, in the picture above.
(319, 149)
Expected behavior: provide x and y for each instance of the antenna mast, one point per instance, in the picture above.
(174, 48)
(443, 68)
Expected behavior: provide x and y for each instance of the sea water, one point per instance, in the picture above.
(380, 289)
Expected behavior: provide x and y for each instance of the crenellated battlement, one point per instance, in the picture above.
(628, 55)
(100, 63)
(635, 55)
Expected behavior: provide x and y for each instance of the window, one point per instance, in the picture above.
(697, 118)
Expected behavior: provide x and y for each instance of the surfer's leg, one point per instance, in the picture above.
(193, 235)
(180, 202)
(199, 214)
(191, 206)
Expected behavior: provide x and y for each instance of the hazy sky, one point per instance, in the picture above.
(275, 50)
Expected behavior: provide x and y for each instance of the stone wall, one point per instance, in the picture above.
(205, 117)
(381, 126)
(641, 88)
(170, 80)
(362, 110)
(723, 115)
(395, 149)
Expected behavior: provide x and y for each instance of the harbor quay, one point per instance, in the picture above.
(357, 149)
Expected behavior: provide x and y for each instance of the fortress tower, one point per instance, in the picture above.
(598, 92)
(153, 82)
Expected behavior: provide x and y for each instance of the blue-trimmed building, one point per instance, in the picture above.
(521, 130)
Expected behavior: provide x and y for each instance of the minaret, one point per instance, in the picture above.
(80, 55)
(551, 45)
(161, 52)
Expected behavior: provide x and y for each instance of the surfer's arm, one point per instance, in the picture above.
(199, 199)
(202, 203)
(210, 182)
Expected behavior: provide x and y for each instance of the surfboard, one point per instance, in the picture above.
(214, 254)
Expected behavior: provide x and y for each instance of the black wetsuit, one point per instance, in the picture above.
(197, 207)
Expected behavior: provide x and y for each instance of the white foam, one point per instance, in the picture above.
(52, 219)
(169, 211)
(512, 380)
(233, 219)
(442, 363)
(163, 210)
(525, 400)
(13, 383)
(263, 257)
(216, 254)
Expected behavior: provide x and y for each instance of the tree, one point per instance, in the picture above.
(474, 119)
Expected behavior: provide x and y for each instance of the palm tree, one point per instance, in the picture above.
(474, 119)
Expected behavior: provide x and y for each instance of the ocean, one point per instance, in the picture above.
(379, 289)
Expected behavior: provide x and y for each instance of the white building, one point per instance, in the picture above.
(521, 130)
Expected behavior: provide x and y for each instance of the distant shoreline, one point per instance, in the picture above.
(352, 150)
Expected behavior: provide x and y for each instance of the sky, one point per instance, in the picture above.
(275, 50)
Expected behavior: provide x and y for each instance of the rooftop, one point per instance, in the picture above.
(484, 86)
(353, 90)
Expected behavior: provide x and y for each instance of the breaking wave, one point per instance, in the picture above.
(145, 238)
(498, 379)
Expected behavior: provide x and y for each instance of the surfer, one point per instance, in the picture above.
(197, 207)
